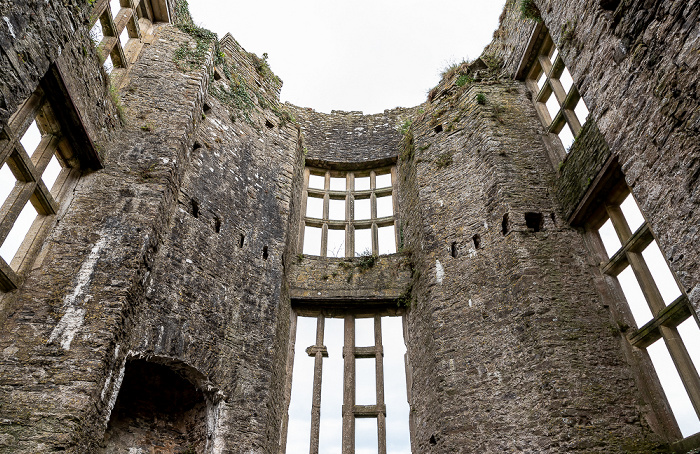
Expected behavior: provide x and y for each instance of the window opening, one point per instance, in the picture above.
(387, 239)
(312, 240)
(557, 100)
(363, 209)
(348, 385)
(336, 243)
(363, 242)
(316, 181)
(36, 164)
(362, 183)
(345, 208)
(666, 327)
(115, 24)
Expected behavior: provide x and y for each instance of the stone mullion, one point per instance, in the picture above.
(326, 210)
(16, 201)
(302, 217)
(379, 376)
(394, 204)
(349, 216)
(373, 212)
(349, 386)
(9, 280)
(684, 365)
(318, 351)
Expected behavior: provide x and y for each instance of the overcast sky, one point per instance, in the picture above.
(366, 55)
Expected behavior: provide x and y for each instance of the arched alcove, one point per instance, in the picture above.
(156, 411)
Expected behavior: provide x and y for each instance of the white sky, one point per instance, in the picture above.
(330, 431)
(370, 56)
(367, 55)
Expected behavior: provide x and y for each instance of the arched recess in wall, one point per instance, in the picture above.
(158, 407)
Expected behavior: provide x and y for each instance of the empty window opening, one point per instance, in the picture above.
(115, 6)
(534, 221)
(387, 239)
(264, 254)
(217, 75)
(383, 181)
(438, 128)
(453, 249)
(477, 241)
(385, 207)
(336, 243)
(325, 349)
(19, 231)
(314, 207)
(336, 209)
(362, 183)
(269, 124)
(337, 184)
(363, 242)
(344, 208)
(363, 209)
(432, 440)
(316, 181)
(672, 384)
(196, 146)
(108, 65)
(206, 108)
(217, 224)
(195, 208)
(7, 182)
(650, 289)
(34, 174)
(312, 240)
(558, 102)
(156, 408)
(504, 224)
(124, 37)
(31, 138)
(241, 240)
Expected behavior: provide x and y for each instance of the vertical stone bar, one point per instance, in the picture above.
(318, 353)
(349, 386)
(379, 364)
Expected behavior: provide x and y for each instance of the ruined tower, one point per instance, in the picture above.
(513, 222)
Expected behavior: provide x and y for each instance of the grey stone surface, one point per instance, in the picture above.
(181, 254)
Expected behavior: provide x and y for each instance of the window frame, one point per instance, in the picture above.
(349, 312)
(541, 64)
(63, 136)
(136, 17)
(349, 224)
(602, 202)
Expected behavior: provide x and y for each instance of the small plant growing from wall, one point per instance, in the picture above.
(444, 160)
(464, 79)
(481, 98)
(529, 10)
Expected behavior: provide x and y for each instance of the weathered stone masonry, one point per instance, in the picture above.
(159, 308)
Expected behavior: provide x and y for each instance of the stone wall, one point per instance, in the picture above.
(181, 252)
(505, 319)
(350, 140)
